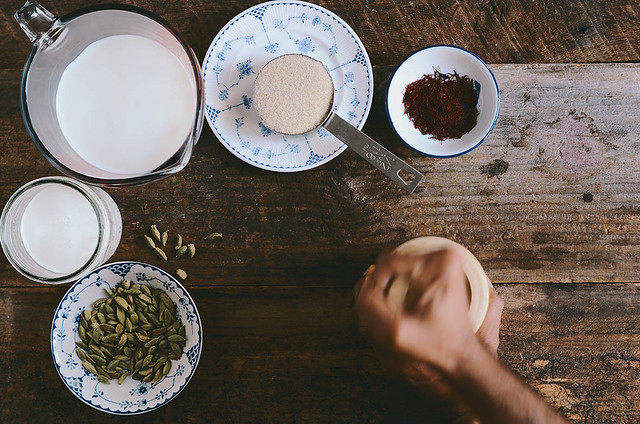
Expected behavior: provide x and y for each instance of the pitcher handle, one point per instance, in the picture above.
(40, 25)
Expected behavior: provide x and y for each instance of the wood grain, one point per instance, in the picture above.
(295, 355)
(577, 345)
(551, 195)
(499, 31)
(551, 192)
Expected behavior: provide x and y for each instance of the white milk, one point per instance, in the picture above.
(59, 229)
(126, 104)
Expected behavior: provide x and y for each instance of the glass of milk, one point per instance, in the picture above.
(111, 95)
(55, 229)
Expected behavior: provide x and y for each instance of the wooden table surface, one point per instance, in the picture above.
(550, 204)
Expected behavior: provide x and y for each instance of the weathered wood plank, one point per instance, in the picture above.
(499, 31)
(295, 355)
(552, 195)
(578, 345)
(292, 354)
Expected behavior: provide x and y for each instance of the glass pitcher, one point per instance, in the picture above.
(59, 41)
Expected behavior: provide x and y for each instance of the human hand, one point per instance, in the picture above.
(426, 335)
(407, 366)
(489, 332)
(431, 324)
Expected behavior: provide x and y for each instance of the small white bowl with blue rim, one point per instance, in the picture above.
(444, 59)
(131, 397)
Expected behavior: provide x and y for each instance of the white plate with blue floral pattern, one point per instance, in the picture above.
(131, 397)
(246, 44)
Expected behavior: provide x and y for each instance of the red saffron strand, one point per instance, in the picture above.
(442, 105)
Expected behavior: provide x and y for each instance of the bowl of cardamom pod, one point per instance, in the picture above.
(126, 338)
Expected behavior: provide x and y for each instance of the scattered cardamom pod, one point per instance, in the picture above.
(212, 236)
(156, 233)
(133, 332)
(181, 273)
(181, 251)
(160, 253)
(178, 242)
(191, 248)
(149, 242)
(165, 237)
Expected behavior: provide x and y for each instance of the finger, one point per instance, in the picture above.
(420, 297)
(376, 318)
(444, 265)
(366, 278)
(467, 417)
(420, 269)
(384, 272)
(489, 331)
(393, 279)
(444, 277)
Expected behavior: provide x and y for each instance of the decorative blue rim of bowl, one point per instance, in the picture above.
(250, 40)
(132, 397)
(495, 117)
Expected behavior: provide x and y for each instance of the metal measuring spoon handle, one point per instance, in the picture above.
(374, 153)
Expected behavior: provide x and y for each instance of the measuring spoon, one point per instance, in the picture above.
(277, 109)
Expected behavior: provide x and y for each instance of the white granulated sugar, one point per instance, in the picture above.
(293, 94)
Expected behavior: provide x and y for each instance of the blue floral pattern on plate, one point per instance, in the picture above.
(246, 44)
(131, 397)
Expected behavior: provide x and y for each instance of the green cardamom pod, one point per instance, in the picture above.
(160, 253)
(90, 367)
(167, 368)
(165, 237)
(122, 303)
(122, 376)
(155, 233)
(181, 251)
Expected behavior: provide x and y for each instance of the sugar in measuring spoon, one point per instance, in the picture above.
(293, 94)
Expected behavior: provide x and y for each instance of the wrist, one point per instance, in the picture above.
(492, 391)
(465, 359)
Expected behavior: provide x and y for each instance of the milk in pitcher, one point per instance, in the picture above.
(126, 104)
